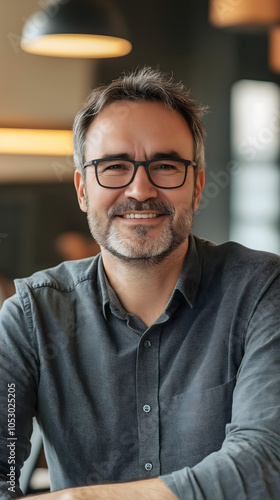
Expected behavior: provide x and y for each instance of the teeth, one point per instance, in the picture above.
(140, 216)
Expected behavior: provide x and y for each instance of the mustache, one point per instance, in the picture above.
(137, 206)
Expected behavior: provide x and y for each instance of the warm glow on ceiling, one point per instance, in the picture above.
(74, 45)
(274, 49)
(224, 13)
(35, 142)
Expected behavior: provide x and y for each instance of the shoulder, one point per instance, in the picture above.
(64, 277)
(237, 261)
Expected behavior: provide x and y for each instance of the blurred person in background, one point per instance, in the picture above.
(7, 288)
(72, 245)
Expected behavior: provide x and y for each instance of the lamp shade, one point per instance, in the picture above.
(35, 142)
(243, 13)
(77, 28)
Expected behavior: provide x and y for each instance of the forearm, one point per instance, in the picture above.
(151, 489)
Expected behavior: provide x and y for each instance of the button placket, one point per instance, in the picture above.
(147, 401)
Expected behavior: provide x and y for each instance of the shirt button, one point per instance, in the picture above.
(148, 466)
(147, 344)
(146, 408)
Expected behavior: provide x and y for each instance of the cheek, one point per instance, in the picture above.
(181, 200)
(100, 199)
(182, 209)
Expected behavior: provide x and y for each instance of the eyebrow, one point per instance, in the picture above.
(170, 155)
(121, 156)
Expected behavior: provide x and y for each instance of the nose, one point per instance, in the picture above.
(141, 188)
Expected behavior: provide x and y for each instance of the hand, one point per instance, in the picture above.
(151, 489)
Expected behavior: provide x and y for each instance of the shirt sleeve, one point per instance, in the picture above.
(248, 464)
(18, 376)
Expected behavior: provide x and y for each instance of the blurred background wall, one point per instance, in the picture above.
(37, 198)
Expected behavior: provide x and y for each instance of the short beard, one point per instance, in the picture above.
(148, 251)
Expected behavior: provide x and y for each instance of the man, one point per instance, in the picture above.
(153, 368)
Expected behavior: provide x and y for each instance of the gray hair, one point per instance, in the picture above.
(144, 84)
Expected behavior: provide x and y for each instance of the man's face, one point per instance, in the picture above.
(141, 130)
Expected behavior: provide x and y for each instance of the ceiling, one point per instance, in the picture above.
(36, 92)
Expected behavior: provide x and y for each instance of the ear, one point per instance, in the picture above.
(80, 189)
(200, 181)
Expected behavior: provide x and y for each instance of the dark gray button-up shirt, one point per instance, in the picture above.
(194, 399)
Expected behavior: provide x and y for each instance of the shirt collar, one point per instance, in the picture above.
(189, 279)
(187, 283)
(105, 290)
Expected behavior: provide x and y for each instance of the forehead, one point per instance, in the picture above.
(134, 123)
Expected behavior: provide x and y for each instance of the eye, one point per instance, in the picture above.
(112, 166)
(116, 166)
(166, 166)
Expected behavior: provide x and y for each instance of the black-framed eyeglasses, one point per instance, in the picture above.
(165, 173)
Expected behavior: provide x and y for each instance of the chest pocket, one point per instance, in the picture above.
(193, 425)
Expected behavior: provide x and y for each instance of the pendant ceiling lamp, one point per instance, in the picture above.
(77, 28)
(243, 14)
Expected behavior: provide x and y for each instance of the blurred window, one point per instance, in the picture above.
(255, 180)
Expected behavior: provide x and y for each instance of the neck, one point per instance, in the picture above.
(142, 288)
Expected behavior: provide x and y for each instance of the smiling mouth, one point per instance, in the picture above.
(140, 216)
